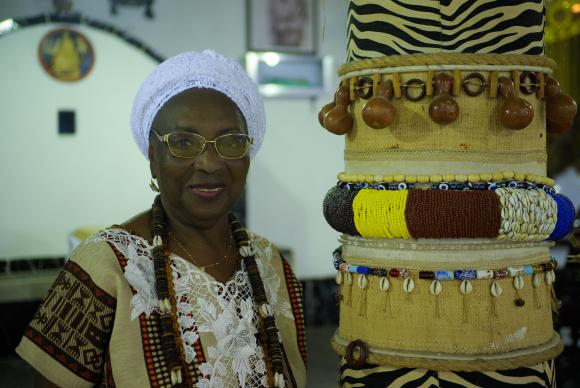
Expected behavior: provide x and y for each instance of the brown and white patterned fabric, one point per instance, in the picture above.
(99, 322)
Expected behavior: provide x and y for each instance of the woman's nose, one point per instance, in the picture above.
(209, 160)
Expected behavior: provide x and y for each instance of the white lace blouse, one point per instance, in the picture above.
(222, 315)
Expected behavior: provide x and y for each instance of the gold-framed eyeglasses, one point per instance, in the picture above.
(190, 145)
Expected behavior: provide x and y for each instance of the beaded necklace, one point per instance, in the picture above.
(171, 345)
(202, 267)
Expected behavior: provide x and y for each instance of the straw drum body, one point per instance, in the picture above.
(444, 206)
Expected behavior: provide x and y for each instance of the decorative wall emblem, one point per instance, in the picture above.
(66, 54)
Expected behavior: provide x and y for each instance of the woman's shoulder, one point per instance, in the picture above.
(107, 246)
(115, 240)
(258, 239)
(269, 258)
(263, 246)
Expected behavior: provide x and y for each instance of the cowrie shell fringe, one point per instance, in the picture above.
(435, 288)
(409, 285)
(384, 284)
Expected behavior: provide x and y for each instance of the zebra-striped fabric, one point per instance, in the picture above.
(375, 376)
(395, 27)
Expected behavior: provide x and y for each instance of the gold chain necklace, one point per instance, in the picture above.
(202, 267)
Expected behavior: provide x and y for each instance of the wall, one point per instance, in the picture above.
(53, 184)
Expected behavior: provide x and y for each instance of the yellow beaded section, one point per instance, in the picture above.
(381, 213)
(438, 178)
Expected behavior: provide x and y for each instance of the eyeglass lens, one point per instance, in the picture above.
(230, 146)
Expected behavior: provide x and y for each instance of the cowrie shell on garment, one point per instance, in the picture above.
(279, 380)
(164, 306)
(266, 310)
(338, 277)
(435, 288)
(167, 305)
(384, 284)
(496, 289)
(519, 282)
(157, 241)
(348, 278)
(537, 280)
(176, 377)
(363, 282)
(466, 287)
(409, 285)
(245, 251)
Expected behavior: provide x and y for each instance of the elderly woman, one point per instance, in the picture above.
(182, 294)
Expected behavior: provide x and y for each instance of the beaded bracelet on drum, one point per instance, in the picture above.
(464, 274)
(446, 186)
(504, 213)
(447, 178)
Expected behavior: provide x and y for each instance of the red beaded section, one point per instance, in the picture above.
(157, 371)
(296, 299)
(453, 214)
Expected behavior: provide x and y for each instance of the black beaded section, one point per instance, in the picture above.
(275, 355)
(337, 208)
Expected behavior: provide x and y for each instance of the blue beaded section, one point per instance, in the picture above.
(444, 275)
(565, 218)
(466, 274)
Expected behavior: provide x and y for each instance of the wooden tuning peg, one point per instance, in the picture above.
(560, 108)
(514, 112)
(443, 109)
(378, 112)
(338, 120)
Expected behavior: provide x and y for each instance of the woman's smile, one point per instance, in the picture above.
(208, 191)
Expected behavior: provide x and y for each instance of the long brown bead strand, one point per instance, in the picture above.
(169, 344)
(265, 310)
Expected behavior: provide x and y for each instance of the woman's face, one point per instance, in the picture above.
(199, 191)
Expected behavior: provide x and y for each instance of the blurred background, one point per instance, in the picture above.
(68, 73)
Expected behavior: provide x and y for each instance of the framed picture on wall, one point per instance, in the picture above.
(281, 25)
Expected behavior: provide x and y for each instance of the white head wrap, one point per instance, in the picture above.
(188, 70)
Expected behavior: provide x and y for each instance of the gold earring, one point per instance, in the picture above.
(153, 185)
